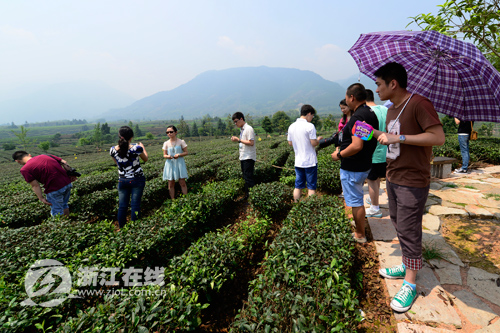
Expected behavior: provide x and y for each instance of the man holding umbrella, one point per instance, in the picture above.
(413, 127)
(460, 82)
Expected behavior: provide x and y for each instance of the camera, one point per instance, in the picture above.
(73, 173)
(333, 140)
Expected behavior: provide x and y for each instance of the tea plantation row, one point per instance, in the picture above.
(308, 270)
(151, 241)
(95, 193)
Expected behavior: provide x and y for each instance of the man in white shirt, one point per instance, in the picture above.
(302, 137)
(248, 153)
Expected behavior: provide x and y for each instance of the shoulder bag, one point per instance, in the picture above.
(473, 134)
(70, 171)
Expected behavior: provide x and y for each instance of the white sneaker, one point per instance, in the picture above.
(373, 213)
(368, 201)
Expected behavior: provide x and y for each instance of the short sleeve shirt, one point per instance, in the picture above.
(300, 133)
(179, 142)
(47, 171)
(129, 166)
(409, 165)
(247, 152)
(379, 155)
(362, 160)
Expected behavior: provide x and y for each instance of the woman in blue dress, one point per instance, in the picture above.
(132, 181)
(174, 151)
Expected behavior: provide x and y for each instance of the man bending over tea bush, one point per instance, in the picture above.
(48, 171)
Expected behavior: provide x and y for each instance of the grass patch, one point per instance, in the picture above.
(461, 204)
(475, 241)
(470, 187)
(431, 251)
(492, 195)
(450, 185)
(465, 234)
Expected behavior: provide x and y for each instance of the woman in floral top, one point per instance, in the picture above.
(132, 181)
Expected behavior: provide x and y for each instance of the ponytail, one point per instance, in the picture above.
(125, 133)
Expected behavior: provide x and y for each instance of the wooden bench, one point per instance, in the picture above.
(441, 166)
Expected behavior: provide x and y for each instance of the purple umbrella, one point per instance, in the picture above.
(453, 74)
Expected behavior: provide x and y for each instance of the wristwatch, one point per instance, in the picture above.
(402, 139)
(339, 156)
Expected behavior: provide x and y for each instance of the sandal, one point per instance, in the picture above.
(359, 240)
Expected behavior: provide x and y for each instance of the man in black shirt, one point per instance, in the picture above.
(355, 155)
(464, 130)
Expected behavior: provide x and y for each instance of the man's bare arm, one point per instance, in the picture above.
(35, 186)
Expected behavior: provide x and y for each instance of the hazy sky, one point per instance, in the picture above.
(143, 47)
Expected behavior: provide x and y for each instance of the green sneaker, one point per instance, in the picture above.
(404, 299)
(396, 272)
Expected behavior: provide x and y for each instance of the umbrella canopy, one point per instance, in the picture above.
(454, 75)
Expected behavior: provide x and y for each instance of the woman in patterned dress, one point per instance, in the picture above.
(131, 181)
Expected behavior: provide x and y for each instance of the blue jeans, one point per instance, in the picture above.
(130, 189)
(59, 200)
(463, 141)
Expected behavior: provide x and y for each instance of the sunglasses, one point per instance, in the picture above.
(236, 120)
(170, 132)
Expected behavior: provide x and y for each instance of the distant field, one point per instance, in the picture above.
(6, 133)
(69, 144)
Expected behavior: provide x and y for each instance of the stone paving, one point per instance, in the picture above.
(453, 297)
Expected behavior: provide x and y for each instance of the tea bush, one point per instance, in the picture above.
(328, 172)
(159, 235)
(483, 149)
(271, 199)
(59, 239)
(165, 309)
(202, 270)
(305, 284)
(156, 238)
(216, 257)
(300, 262)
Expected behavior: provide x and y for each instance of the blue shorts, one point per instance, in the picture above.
(306, 175)
(59, 200)
(352, 186)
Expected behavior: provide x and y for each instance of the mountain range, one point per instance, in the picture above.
(255, 90)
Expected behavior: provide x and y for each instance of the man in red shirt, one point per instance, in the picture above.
(48, 171)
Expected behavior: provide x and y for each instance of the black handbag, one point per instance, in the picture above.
(70, 171)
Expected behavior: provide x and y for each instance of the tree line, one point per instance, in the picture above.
(277, 123)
